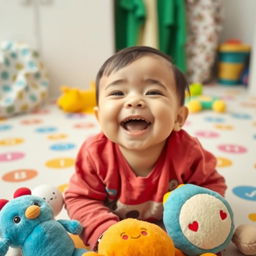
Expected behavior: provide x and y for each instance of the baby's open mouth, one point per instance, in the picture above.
(135, 124)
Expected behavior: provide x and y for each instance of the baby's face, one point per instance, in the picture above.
(138, 104)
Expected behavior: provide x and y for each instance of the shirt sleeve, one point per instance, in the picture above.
(84, 200)
(201, 170)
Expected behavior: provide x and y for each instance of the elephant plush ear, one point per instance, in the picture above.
(22, 192)
(4, 246)
(3, 202)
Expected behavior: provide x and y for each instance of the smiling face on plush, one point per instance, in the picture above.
(137, 238)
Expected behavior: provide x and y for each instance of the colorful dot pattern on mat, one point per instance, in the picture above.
(41, 147)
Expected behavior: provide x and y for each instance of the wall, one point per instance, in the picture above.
(74, 38)
(239, 20)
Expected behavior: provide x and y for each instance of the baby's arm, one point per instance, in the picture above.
(84, 201)
(202, 170)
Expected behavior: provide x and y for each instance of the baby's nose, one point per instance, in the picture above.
(135, 103)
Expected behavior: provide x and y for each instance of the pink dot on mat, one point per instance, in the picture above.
(232, 148)
(207, 134)
(11, 156)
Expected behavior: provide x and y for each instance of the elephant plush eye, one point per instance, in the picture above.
(16, 219)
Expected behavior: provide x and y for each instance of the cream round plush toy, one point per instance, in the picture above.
(245, 239)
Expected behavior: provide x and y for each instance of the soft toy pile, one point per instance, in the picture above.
(27, 222)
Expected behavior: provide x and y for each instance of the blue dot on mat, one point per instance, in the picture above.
(245, 192)
(46, 129)
(214, 119)
(241, 116)
(5, 127)
(62, 146)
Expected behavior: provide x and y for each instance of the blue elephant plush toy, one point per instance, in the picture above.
(27, 222)
(198, 220)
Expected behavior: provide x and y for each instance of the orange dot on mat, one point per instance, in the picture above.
(60, 163)
(58, 136)
(252, 217)
(223, 162)
(19, 175)
(224, 127)
(11, 141)
(62, 187)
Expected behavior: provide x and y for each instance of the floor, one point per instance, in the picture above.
(41, 147)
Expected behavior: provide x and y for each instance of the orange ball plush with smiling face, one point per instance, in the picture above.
(138, 238)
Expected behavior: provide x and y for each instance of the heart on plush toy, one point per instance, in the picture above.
(223, 215)
(193, 226)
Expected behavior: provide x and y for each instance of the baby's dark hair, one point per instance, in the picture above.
(128, 55)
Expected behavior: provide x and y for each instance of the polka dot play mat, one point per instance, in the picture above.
(41, 147)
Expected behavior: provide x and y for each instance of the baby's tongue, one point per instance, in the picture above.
(136, 125)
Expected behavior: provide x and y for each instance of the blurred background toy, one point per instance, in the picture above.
(233, 55)
(198, 220)
(196, 101)
(74, 100)
(27, 222)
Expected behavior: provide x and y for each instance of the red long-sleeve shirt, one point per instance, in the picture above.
(104, 189)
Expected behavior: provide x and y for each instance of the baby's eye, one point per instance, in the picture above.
(116, 93)
(154, 92)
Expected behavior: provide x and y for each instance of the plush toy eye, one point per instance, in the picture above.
(36, 203)
(124, 236)
(16, 219)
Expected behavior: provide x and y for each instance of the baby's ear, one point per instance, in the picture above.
(96, 112)
(4, 246)
(181, 118)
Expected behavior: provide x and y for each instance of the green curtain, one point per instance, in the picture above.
(172, 30)
(130, 15)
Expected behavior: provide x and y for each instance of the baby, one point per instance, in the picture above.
(142, 151)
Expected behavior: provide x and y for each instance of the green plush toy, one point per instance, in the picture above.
(27, 222)
(198, 220)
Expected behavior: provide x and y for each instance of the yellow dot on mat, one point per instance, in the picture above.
(62, 187)
(252, 216)
(223, 162)
(11, 141)
(60, 163)
(58, 136)
(224, 126)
